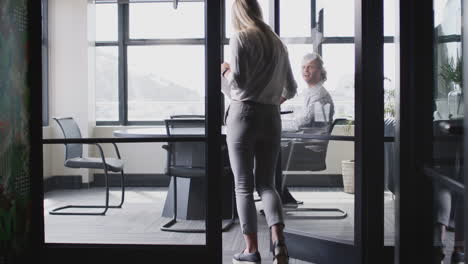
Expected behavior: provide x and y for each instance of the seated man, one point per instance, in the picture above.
(315, 117)
(318, 109)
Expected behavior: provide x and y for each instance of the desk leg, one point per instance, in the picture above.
(191, 199)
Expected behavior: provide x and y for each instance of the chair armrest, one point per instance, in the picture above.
(100, 151)
(166, 147)
(116, 150)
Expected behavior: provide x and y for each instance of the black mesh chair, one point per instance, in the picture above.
(187, 160)
(309, 155)
(74, 159)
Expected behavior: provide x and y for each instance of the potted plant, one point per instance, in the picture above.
(347, 166)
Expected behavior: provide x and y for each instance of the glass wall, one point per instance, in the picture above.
(149, 68)
(319, 173)
(390, 105)
(447, 142)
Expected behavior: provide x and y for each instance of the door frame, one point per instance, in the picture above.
(413, 134)
(94, 253)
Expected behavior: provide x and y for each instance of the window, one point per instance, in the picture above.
(108, 79)
(315, 27)
(150, 61)
(143, 49)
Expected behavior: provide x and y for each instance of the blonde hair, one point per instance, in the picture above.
(247, 14)
(315, 56)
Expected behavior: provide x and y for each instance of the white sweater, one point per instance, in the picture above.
(260, 69)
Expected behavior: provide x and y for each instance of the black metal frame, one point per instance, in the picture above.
(57, 211)
(369, 150)
(45, 61)
(35, 77)
(413, 134)
(412, 235)
(465, 120)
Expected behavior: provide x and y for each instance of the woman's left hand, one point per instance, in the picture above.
(282, 99)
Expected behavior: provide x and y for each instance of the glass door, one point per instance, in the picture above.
(447, 168)
(333, 188)
(131, 77)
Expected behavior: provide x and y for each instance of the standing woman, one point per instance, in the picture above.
(257, 81)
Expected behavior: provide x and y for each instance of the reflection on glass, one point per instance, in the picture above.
(296, 53)
(300, 25)
(448, 147)
(264, 4)
(305, 159)
(107, 84)
(106, 22)
(162, 21)
(338, 17)
(164, 81)
(339, 62)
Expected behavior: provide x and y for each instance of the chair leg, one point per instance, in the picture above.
(341, 214)
(56, 211)
(122, 188)
(231, 221)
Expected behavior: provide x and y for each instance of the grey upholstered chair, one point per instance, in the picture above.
(187, 160)
(74, 159)
(309, 155)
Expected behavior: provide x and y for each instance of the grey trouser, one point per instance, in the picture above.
(445, 202)
(253, 139)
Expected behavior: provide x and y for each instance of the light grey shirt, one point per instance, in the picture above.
(260, 69)
(318, 107)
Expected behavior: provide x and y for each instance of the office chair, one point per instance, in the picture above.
(74, 159)
(187, 160)
(309, 155)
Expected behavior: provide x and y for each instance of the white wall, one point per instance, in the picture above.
(71, 87)
(46, 152)
(139, 158)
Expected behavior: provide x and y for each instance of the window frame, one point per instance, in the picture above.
(317, 21)
(123, 42)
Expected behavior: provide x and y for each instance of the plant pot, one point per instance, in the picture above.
(347, 169)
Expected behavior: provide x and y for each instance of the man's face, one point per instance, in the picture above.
(311, 72)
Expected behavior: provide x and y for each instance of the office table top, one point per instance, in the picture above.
(153, 132)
